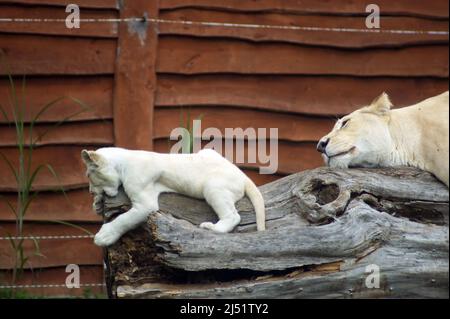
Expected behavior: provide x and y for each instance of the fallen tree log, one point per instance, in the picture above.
(361, 233)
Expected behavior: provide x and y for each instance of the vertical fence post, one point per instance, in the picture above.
(135, 75)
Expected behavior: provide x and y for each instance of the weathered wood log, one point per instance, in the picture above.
(328, 232)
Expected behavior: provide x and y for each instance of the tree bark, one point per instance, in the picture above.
(330, 234)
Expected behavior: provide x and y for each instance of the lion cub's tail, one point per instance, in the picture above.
(257, 200)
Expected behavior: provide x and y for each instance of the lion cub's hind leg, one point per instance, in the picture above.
(222, 201)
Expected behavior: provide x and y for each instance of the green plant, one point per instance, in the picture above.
(16, 294)
(188, 132)
(24, 174)
(89, 294)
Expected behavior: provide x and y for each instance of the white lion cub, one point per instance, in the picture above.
(145, 175)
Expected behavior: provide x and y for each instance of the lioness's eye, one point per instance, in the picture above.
(344, 124)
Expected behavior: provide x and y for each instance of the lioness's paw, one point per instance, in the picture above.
(106, 236)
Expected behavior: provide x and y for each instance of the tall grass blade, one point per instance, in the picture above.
(55, 126)
(4, 114)
(10, 166)
(71, 225)
(10, 206)
(11, 241)
(37, 249)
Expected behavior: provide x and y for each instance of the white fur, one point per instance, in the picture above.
(145, 175)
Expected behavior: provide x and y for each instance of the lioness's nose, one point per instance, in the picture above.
(322, 145)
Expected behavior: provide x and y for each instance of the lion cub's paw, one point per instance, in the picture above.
(214, 227)
(98, 205)
(98, 208)
(207, 225)
(106, 236)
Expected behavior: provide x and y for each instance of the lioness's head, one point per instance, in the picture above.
(102, 176)
(360, 139)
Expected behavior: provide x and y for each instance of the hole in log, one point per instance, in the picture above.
(325, 193)
(416, 211)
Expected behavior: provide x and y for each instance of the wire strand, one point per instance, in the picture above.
(235, 25)
(50, 237)
(50, 286)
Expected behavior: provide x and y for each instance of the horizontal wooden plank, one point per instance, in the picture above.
(90, 133)
(295, 157)
(298, 94)
(185, 55)
(98, 4)
(291, 127)
(436, 8)
(55, 252)
(292, 157)
(46, 55)
(94, 92)
(261, 179)
(91, 29)
(325, 38)
(57, 276)
(65, 161)
(76, 206)
(73, 206)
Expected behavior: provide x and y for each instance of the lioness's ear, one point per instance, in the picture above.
(381, 105)
(90, 158)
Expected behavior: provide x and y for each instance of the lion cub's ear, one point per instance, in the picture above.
(90, 158)
(381, 105)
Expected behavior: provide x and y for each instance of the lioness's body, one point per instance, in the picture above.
(376, 136)
(422, 134)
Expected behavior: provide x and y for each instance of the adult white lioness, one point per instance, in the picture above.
(376, 136)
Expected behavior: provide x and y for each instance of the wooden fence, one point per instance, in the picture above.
(140, 78)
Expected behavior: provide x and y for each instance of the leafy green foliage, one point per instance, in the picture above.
(24, 175)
